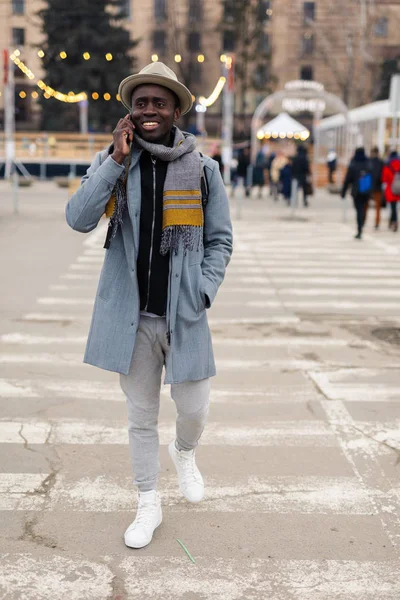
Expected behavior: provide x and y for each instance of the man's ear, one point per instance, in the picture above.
(177, 113)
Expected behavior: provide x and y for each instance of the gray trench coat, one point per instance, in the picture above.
(194, 276)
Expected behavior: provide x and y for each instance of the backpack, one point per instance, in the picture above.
(364, 182)
(395, 187)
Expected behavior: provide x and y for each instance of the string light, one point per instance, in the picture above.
(222, 58)
(95, 96)
(200, 58)
(154, 57)
(107, 96)
(86, 55)
(22, 94)
(118, 97)
(109, 56)
(177, 58)
(215, 93)
(40, 53)
(35, 95)
(48, 91)
(63, 54)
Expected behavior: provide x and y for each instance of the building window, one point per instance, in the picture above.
(307, 44)
(382, 27)
(260, 77)
(309, 11)
(196, 72)
(18, 36)
(228, 41)
(229, 11)
(18, 7)
(159, 41)
(195, 11)
(306, 73)
(264, 11)
(160, 10)
(194, 41)
(263, 43)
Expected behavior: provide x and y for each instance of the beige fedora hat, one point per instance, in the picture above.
(159, 74)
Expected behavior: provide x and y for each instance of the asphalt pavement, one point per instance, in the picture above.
(301, 455)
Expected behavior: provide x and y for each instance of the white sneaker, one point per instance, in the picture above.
(148, 518)
(191, 482)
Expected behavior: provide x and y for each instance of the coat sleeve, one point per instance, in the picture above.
(86, 207)
(217, 234)
(387, 175)
(348, 181)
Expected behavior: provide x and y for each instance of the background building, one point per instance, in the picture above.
(342, 44)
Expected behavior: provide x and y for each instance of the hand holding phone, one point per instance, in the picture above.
(123, 137)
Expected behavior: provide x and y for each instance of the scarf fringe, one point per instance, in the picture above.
(189, 236)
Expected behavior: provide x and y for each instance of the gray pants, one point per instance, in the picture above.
(142, 390)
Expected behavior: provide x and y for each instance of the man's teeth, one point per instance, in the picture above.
(150, 123)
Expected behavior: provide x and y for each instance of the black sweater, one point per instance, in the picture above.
(152, 267)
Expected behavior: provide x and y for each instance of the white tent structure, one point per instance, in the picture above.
(283, 127)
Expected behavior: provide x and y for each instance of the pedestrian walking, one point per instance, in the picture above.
(168, 244)
(217, 156)
(377, 194)
(331, 163)
(286, 179)
(391, 181)
(279, 162)
(258, 172)
(300, 175)
(359, 178)
(242, 170)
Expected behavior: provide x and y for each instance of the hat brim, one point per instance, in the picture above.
(127, 86)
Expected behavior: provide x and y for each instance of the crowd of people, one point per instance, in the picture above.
(286, 175)
(370, 177)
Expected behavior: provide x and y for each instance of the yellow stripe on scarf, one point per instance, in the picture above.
(183, 216)
(177, 193)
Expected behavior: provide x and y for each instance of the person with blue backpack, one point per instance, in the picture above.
(359, 177)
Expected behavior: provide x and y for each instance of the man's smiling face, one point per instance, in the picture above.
(153, 112)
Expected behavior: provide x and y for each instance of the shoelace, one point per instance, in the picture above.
(144, 516)
(190, 472)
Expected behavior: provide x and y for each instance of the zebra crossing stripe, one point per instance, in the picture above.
(173, 578)
(289, 433)
(284, 494)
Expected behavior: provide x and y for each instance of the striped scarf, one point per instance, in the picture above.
(183, 218)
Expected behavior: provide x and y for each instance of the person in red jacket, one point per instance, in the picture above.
(388, 177)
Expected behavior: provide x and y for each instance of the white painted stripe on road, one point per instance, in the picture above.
(79, 277)
(338, 281)
(172, 578)
(324, 304)
(16, 389)
(363, 292)
(54, 317)
(304, 495)
(54, 577)
(354, 391)
(85, 267)
(268, 342)
(284, 318)
(49, 301)
(38, 340)
(111, 392)
(271, 433)
(74, 288)
(91, 259)
(70, 359)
